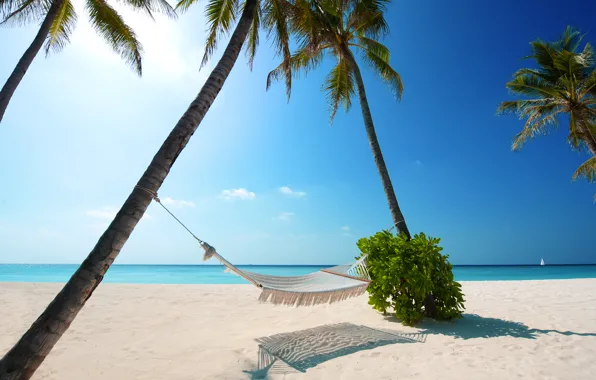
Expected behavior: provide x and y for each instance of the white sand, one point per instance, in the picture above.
(524, 330)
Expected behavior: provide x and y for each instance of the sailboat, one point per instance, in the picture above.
(541, 261)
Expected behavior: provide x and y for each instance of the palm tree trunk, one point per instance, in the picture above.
(23, 65)
(30, 351)
(398, 217)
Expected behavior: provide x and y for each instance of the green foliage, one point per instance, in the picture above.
(408, 276)
(106, 21)
(336, 27)
(564, 83)
(271, 15)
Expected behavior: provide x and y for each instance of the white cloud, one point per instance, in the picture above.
(285, 216)
(293, 193)
(177, 203)
(240, 193)
(345, 228)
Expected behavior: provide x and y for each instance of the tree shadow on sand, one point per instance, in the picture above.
(475, 326)
(300, 350)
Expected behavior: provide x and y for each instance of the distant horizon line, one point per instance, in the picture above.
(306, 265)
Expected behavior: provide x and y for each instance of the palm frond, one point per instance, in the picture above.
(276, 15)
(253, 36)
(543, 53)
(533, 129)
(221, 15)
(183, 5)
(339, 86)
(571, 64)
(368, 22)
(21, 12)
(586, 170)
(520, 106)
(545, 75)
(61, 29)
(587, 56)
(110, 25)
(305, 25)
(588, 86)
(570, 40)
(530, 85)
(149, 7)
(303, 61)
(377, 56)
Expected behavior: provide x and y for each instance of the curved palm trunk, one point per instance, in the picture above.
(22, 66)
(30, 351)
(396, 214)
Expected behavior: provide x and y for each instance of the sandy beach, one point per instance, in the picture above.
(511, 330)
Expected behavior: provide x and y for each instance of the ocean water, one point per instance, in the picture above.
(214, 274)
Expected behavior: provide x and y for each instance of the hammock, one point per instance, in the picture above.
(325, 286)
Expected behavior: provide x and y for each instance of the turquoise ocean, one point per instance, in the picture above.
(214, 274)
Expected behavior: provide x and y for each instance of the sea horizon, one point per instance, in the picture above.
(215, 274)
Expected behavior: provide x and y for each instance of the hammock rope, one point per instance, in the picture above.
(325, 286)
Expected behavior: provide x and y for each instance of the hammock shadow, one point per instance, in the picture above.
(300, 350)
(473, 326)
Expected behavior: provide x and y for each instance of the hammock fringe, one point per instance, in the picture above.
(283, 297)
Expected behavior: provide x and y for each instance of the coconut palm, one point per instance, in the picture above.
(338, 28)
(30, 351)
(564, 83)
(58, 21)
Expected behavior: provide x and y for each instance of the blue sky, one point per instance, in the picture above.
(82, 127)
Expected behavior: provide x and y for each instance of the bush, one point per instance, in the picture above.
(411, 277)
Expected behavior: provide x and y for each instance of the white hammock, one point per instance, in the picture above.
(325, 286)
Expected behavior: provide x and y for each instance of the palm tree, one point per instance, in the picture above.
(563, 84)
(337, 27)
(30, 351)
(59, 19)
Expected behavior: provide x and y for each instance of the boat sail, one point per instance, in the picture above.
(541, 261)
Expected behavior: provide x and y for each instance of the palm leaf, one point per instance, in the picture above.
(377, 56)
(570, 40)
(110, 25)
(149, 7)
(61, 28)
(530, 85)
(275, 18)
(183, 5)
(339, 86)
(22, 12)
(586, 170)
(367, 19)
(221, 15)
(304, 60)
(253, 36)
(588, 86)
(531, 130)
(521, 107)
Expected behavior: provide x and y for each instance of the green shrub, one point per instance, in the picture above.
(411, 277)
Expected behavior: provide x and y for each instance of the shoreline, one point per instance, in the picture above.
(248, 284)
(531, 329)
